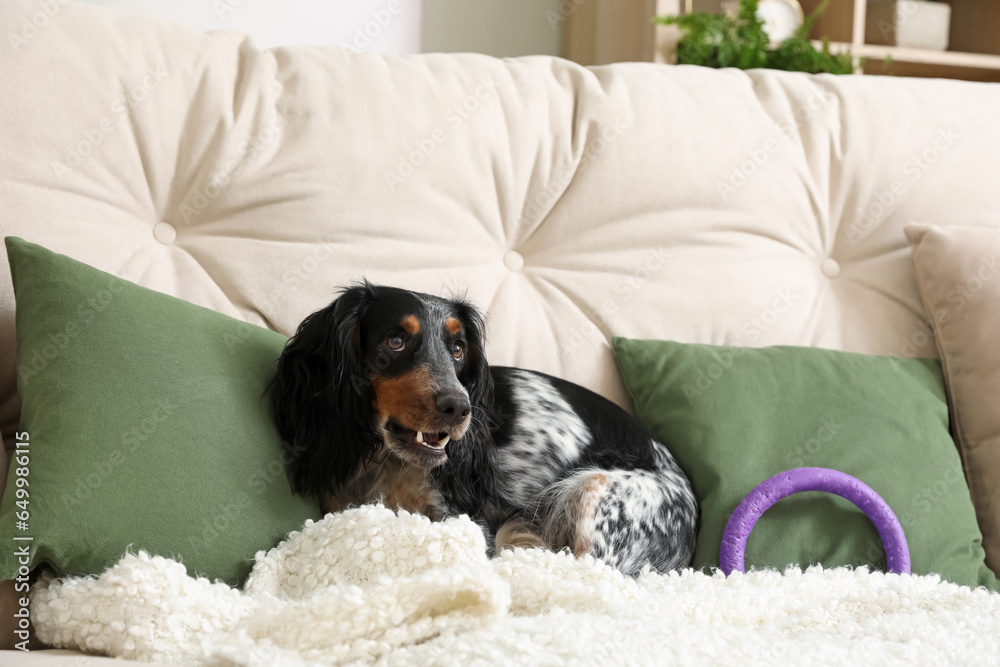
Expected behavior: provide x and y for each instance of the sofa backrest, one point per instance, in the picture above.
(574, 204)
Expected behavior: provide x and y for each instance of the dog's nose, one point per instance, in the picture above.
(453, 407)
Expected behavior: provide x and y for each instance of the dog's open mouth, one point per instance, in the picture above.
(427, 442)
(432, 440)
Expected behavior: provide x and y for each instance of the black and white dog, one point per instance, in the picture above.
(386, 394)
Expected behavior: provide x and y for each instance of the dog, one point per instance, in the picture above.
(386, 395)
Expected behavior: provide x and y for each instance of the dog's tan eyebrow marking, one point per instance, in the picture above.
(452, 325)
(411, 324)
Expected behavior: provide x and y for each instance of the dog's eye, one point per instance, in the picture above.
(457, 351)
(394, 343)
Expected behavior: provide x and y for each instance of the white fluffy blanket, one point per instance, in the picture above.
(369, 587)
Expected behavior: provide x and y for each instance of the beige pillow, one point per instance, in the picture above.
(958, 271)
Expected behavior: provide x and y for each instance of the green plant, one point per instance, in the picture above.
(719, 40)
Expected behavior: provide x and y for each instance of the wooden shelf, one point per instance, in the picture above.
(923, 56)
(604, 31)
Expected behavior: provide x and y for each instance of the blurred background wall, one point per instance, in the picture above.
(502, 28)
(495, 27)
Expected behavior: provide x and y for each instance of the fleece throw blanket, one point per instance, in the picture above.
(368, 586)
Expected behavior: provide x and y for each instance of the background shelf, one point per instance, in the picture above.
(604, 31)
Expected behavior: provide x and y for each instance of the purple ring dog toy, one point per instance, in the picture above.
(758, 501)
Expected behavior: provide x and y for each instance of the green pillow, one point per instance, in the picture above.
(736, 416)
(145, 427)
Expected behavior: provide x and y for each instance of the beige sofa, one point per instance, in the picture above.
(574, 204)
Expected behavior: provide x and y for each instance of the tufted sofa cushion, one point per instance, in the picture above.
(641, 200)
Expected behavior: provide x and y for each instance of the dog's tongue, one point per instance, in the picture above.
(431, 438)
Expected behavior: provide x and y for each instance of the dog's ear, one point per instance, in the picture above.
(469, 477)
(321, 396)
(476, 376)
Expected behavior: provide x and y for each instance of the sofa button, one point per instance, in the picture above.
(164, 232)
(830, 268)
(513, 260)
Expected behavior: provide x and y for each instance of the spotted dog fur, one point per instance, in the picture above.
(386, 395)
(580, 474)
